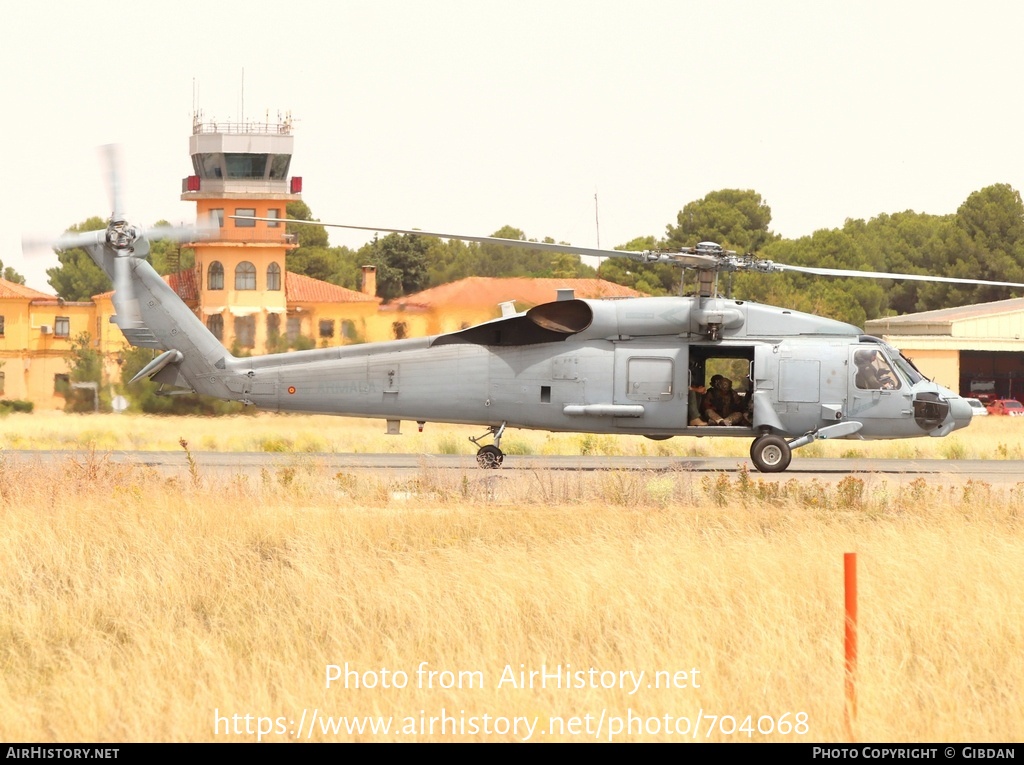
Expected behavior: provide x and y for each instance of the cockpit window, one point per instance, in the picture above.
(906, 366)
(874, 371)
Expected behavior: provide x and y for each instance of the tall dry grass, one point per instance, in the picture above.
(1000, 438)
(137, 608)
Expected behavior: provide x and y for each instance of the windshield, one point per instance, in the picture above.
(905, 365)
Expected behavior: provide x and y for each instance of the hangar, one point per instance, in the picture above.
(973, 349)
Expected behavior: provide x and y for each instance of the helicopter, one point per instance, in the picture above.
(622, 366)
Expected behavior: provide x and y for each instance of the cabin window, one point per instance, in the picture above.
(274, 277)
(245, 276)
(62, 326)
(215, 276)
(649, 379)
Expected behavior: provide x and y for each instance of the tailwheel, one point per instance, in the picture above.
(771, 454)
(489, 457)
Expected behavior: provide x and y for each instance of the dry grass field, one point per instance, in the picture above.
(141, 608)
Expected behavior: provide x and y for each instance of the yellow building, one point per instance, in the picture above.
(240, 286)
(36, 335)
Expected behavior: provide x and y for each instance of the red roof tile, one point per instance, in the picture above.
(185, 283)
(15, 290)
(305, 289)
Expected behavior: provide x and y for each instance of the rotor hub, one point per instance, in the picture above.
(121, 236)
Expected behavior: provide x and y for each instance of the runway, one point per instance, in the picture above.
(175, 463)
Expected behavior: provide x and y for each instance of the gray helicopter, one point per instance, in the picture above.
(622, 366)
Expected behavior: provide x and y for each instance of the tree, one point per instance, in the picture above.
(305, 235)
(86, 366)
(9, 274)
(77, 277)
(733, 218)
(401, 262)
(168, 256)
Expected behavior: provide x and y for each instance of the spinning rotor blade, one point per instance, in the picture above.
(692, 259)
(110, 157)
(884, 275)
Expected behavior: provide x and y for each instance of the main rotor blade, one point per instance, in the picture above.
(647, 256)
(110, 156)
(884, 275)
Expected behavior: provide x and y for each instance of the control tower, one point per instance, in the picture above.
(242, 169)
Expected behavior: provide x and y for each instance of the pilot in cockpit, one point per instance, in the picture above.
(873, 371)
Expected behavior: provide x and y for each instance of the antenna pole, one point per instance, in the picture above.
(597, 221)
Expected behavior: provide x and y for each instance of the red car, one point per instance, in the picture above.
(1006, 406)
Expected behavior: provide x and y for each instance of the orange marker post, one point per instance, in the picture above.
(850, 582)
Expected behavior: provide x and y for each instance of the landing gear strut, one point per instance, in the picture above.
(490, 456)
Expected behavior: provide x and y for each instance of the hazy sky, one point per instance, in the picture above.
(467, 116)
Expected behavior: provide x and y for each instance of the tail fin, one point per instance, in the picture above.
(151, 315)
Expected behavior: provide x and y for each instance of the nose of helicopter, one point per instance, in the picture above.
(960, 412)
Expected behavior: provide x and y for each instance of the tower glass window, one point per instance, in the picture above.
(279, 166)
(245, 276)
(246, 165)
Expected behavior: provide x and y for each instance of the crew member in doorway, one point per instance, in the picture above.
(722, 405)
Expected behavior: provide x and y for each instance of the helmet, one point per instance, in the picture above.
(715, 379)
(864, 356)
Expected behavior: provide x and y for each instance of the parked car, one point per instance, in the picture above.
(977, 408)
(1007, 406)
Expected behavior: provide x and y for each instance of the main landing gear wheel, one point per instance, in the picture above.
(489, 457)
(771, 454)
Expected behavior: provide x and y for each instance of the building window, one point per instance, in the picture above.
(61, 384)
(62, 326)
(294, 329)
(218, 215)
(400, 330)
(1, 326)
(273, 277)
(274, 212)
(3, 382)
(245, 276)
(245, 331)
(273, 326)
(215, 324)
(348, 329)
(215, 276)
(241, 223)
(326, 327)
